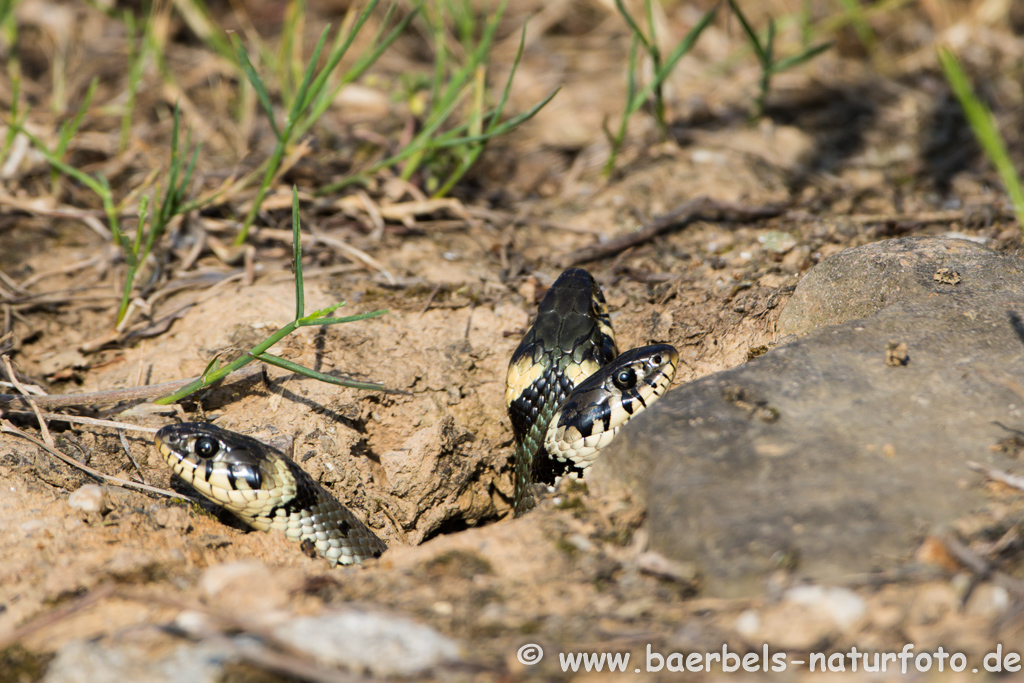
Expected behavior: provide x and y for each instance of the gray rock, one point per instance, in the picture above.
(380, 644)
(82, 661)
(835, 453)
(357, 641)
(859, 282)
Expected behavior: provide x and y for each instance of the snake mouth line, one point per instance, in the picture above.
(179, 462)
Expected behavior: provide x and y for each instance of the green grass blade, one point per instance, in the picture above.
(365, 61)
(271, 359)
(143, 211)
(615, 141)
(300, 102)
(136, 62)
(454, 88)
(683, 47)
(166, 206)
(492, 129)
(508, 84)
(655, 54)
(311, 321)
(652, 44)
(289, 55)
(196, 15)
(633, 26)
(81, 177)
(274, 163)
(69, 128)
(422, 142)
(257, 83)
(983, 125)
(501, 129)
(798, 59)
(755, 42)
(335, 57)
(440, 56)
(300, 303)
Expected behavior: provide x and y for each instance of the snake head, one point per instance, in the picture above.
(596, 409)
(209, 457)
(265, 489)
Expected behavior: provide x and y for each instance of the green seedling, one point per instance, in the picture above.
(214, 371)
(636, 96)
(67, 131)
(172, 203)
(765, 52)
(443, 150)
(313, 95)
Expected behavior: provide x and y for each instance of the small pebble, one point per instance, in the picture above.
(748, 623)
(777, 241)
(31, 526)
(842, 605)
(88, 499)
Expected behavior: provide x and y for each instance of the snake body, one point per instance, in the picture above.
(568, 392)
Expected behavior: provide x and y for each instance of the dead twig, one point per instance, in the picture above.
(430, 299)
(96, 422)
(1012, 480)
(979, 566)
(699, 208)
(242, 376)
(47, 437)
(131, 458)
(8, 428)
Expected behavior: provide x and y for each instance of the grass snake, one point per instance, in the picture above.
(568, 392)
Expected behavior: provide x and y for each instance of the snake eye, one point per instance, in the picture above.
(206, 447)
(625, 379)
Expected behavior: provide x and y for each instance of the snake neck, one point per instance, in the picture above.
(533, 464)
(314, 515)
(523, 500)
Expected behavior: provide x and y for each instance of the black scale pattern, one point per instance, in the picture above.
(568, 331)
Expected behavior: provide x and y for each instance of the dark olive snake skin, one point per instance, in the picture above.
(568, 392)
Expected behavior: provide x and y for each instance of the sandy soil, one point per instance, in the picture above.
(854, 152)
